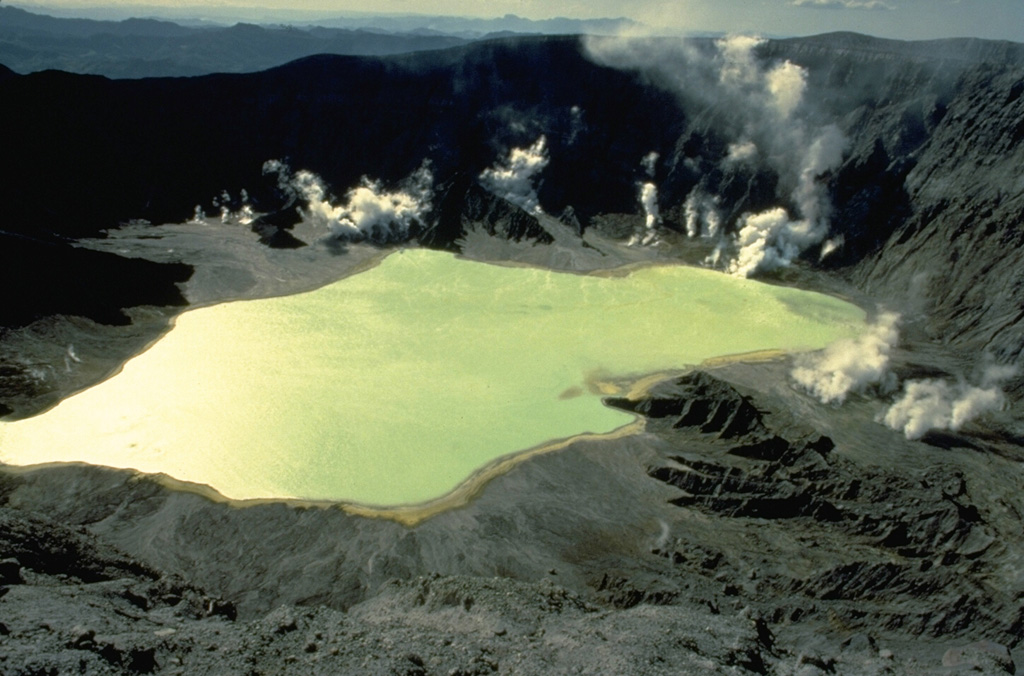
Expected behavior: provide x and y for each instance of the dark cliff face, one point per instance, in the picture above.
(957, 253)
(91, 152)
(930, 197)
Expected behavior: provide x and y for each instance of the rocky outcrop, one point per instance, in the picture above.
(954, 258)
(701, 401)
(65, 280)
(909, 540)
(465, 205)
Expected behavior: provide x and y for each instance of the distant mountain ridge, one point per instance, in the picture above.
(135, 48)
(474, 28)
(14, 18)
(157, 47)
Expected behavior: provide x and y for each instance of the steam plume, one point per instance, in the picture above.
(940, 405)
(702, 216)
(830, 246)
(772, 239)
(850, 365)
(650, 163)
(780, 88)
(765, 113)
(243, 216)
(786, 84)
(513, 178)
(369, 210)
(744, 151)
(663, 535)
(70, 358)
(649, 200)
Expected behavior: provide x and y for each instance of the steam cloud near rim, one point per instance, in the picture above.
(860, 364)
(766, 123)
(851, 365)
(941, 405)
(514, 177)
(369, 211)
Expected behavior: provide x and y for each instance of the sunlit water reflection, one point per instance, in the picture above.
(394, 385)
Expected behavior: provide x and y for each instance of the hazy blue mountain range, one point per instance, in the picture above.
(153, 48)
(156, 47)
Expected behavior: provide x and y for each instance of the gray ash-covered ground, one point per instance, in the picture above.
(726, 538)
(748, 528)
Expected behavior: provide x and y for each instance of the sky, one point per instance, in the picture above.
(903, 19)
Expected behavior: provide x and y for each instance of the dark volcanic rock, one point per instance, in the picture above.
(902, 550)
(951, 257)
(45, 277)
(698, 400)
(341, 117)
(464, 205)
(38, 544)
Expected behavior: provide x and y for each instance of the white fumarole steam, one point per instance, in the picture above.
(830, 246)
(244, 215)
(744, 151)
(663, 535)
(648, 196)
(940, 405)
(650, 163)
(852, 364)
(762, 105)
(773, 239)
(71, 358)
(369, 211)
(649, 200)
(513, 178)
(702, 216)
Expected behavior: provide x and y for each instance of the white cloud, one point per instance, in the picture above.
(649, 201)
(850, 365)
(742, 151)
(513, 178)
(940, 405)
(842, 4)
(369, 210)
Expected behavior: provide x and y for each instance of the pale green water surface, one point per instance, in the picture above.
(394, 385)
